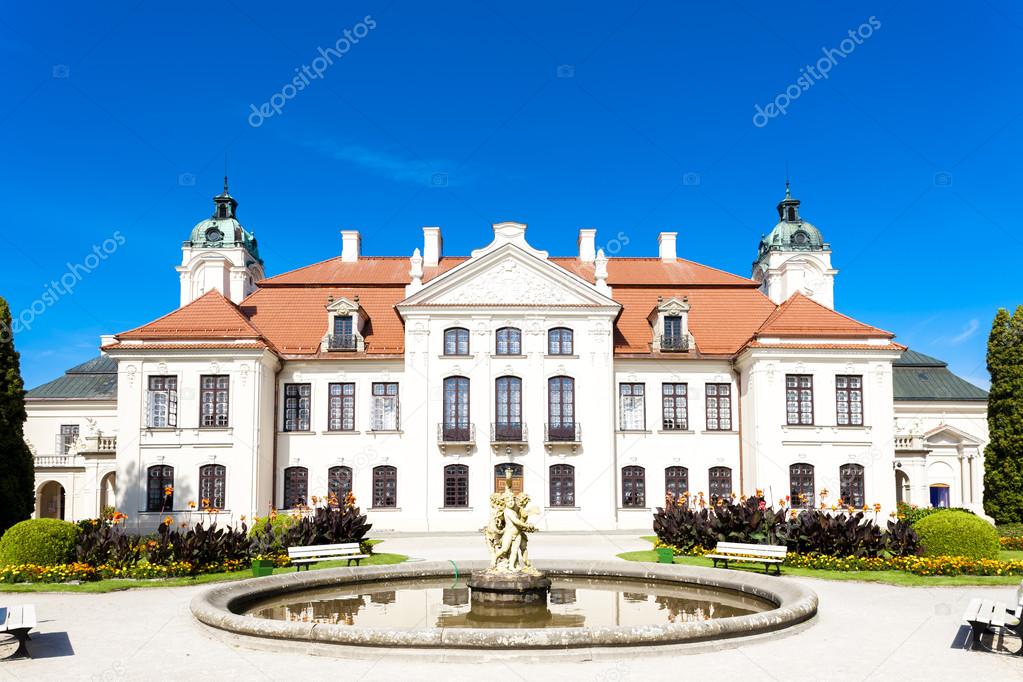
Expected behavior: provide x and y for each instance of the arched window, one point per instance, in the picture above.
(851, 484)
(160, 488)
(801, 488)
(456, 485)
(720, 482)
(562, 485)
(508, 409)
(559, 341)
(561, 408)
(509, 341)
(296, 487)
(456, 409)
(500, 477)
(339, 483)
(676, 481)
(633, 486)
(385, 486)
(456, 341)
(212, 485)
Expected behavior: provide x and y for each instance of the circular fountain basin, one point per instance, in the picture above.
(418, 607)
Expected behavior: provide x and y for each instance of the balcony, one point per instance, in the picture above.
(508, 432)
(562, 432)
(65, 444)
(343, 342)
(909, 442)
(674, 344)
(456, 434)
(54, 461)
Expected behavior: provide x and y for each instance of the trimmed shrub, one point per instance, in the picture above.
(911, 513)
(43, 542)
(950, 532)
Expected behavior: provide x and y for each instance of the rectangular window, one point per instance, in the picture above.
(849, 399)
(341, 407)
(297, 400)
(68, 436)
(675, 407)
(719, 407)
(213, 400)
(385, 407)
(633, 405)
(799, 399)
(163, 402)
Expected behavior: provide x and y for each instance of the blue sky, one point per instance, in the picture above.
(115, 119)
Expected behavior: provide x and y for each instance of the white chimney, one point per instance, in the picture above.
(587, 239)
(432, 245)
(350, 241)
(666, 246)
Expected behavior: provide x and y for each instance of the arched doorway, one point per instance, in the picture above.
(50, 504)
(107, 491)
(902, 489)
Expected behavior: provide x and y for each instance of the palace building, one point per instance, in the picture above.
(600, 383)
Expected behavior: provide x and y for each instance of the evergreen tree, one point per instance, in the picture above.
(17, 477)
(1003, 457)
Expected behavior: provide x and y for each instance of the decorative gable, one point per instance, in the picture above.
(345, 322)
(670, 322)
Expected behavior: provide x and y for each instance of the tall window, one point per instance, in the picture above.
(719, 407)
(632, 404)
(68, 436)
(633, 486)
(296, 487)
(850, 477)
(456, 341)
(675, 407)
(339, 483)
(676, 481)
(672, 327)
(213, 400)
(509, 341)
(163, 402)
(508, 410)
(456, 485)
(456, 409)
(343, 326)
(341, 407)
(849, 399)
(160, 488)
(213, 485)
(562, 485)
(720, 483)
(799, 399)
(385, 486)
(801, 488)
(559, 341)
(385, 407)
(561, 408)
(297, 398)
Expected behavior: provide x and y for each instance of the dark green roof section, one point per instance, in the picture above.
(95, 379)
(916, 376)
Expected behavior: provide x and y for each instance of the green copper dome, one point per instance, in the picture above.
(222, 229)
(792, 233)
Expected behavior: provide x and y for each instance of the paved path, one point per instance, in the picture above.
(863, 631)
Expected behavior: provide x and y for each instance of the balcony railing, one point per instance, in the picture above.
(563, 432)
(342, 342)
(51, 461)
(456, 433)
(508, 432)
(909, 442)
(674, 344)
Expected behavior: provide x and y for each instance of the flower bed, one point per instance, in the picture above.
(63, 573)
(1012, 543)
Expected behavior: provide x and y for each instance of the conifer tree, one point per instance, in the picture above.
(1003, 457)
(17, 483)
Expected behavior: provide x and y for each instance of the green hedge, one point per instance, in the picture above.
(43, 542)
(950, 532)
(912, 515)
(1010, 530)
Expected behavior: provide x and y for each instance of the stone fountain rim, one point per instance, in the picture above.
(220, 607)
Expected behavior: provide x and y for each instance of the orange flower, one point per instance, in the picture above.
(191, 504)
(168, 490)
(168, 520)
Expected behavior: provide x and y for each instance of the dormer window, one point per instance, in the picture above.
(345, 322)
(343, 336)
(456, 341)
(670, 322)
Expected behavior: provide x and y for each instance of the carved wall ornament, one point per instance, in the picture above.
(509, 282)
(162, 367)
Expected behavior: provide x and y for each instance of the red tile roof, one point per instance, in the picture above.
(211, 316)
(802, 316)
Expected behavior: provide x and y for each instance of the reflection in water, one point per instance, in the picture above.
(573, 603)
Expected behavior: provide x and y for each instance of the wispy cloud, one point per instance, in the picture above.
(969, 330)
(396, 166)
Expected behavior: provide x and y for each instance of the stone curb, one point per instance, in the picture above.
(221, 607)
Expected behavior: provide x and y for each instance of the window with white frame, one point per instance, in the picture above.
(163, 402)
(385, 406)
(632, 403)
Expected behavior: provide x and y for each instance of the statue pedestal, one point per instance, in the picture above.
(512, 589)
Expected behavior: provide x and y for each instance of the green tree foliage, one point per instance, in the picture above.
(1003, 457)
(16, 473)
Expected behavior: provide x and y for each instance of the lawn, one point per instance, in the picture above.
(100, 586)
(887, 577)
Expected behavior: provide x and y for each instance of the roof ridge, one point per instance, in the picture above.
(800, 297)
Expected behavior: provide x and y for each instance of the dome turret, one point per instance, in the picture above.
(792, 233)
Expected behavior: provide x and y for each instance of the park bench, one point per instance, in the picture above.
(303, 556)
(15, 623)
(988, 615)
(757, 554)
